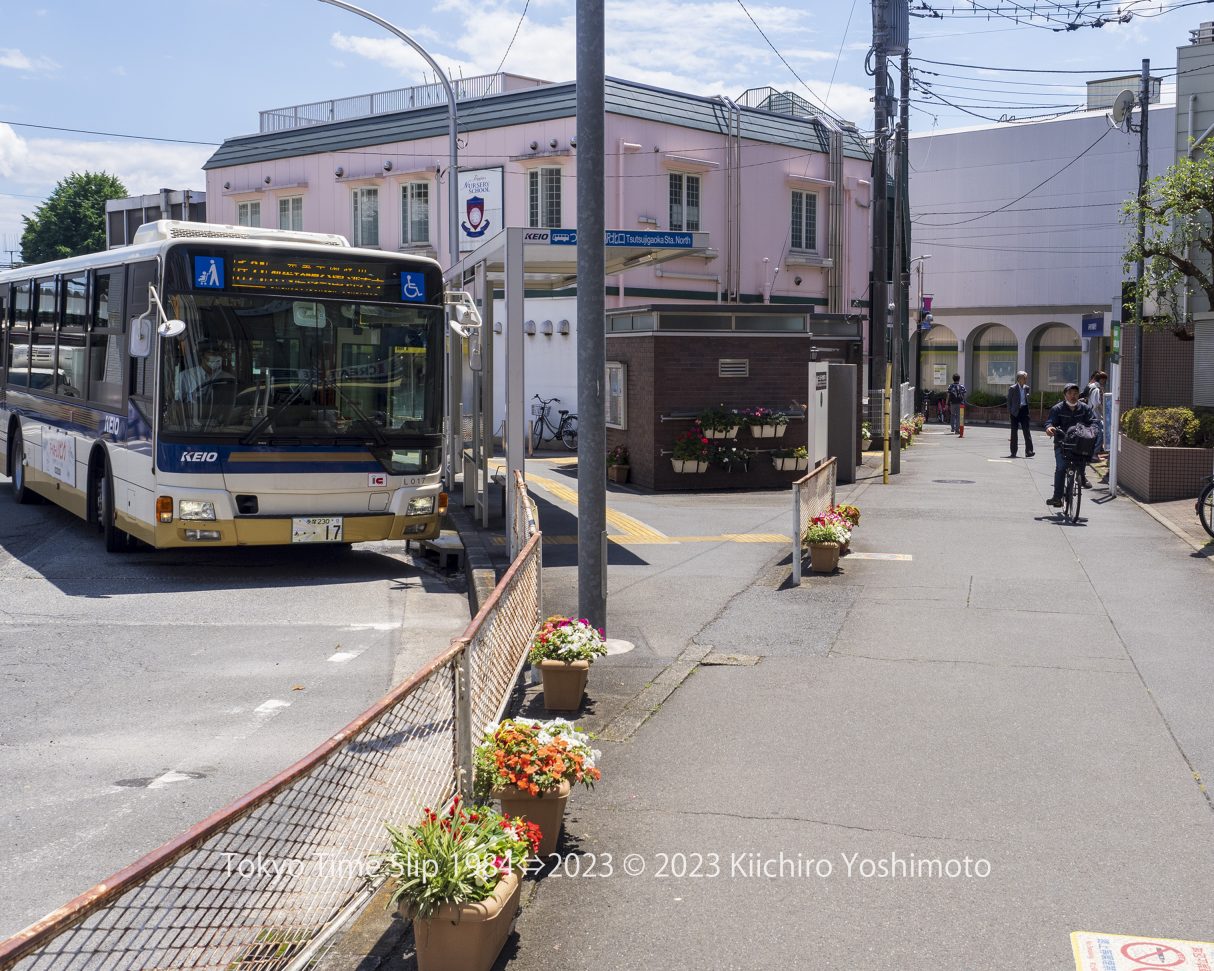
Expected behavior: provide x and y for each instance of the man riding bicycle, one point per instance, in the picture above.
(1070, 411)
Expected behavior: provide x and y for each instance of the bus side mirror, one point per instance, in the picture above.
(141, 336)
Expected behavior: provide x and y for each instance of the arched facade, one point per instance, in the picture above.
(1054, 357)
(994, 355)
(938, 360)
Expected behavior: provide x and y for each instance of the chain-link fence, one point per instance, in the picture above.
(812, 496)
(262, 884)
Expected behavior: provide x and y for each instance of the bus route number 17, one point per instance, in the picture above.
(316, 529)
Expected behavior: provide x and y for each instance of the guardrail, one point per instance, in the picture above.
(264, 883)
(812, 496)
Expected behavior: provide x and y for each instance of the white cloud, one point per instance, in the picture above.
(12, 58)
(708, 47)
(32, 167)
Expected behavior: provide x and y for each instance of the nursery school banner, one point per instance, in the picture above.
(1113, 952)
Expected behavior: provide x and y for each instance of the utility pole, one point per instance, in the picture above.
(879, 291)
(902, 236)
(1144, 103)
(591, 329)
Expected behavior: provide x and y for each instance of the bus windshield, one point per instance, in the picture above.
(258, 368)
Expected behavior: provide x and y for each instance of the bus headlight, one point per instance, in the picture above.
(196, 509)
(420, 506)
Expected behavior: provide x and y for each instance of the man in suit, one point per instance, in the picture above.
(1018, 410)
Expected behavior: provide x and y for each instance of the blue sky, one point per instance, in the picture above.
(201, 71)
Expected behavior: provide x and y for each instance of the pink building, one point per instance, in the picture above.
(778, 196)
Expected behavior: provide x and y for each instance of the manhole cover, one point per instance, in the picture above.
(954, 481)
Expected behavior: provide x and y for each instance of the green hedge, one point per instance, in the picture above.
(984, 399)
(1170, 427)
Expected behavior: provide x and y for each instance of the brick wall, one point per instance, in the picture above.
(1155, 474)
(672, 373)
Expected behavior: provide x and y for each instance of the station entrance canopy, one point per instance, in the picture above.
(520, 260)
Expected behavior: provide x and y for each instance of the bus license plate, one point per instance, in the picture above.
(316, 529)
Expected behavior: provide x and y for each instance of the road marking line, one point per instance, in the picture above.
(341, 657)
(626, 525)
(899, 557)
(168, 779)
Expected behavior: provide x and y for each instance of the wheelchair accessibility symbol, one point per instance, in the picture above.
(413, 287)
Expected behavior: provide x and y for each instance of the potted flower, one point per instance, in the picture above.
(791, 459)
(765, 423)
(866, 435)
(530, 766)
(823, 538)
(917, 421)
(731, 458)
(618, 464)
(458, 875)
(907, 430)
(720, 422)
(563, 650)
(849, 513)
(691, 451)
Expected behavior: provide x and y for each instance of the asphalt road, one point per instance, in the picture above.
(141, 692)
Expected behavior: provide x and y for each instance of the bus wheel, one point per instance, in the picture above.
(116, 541)
(16, 462)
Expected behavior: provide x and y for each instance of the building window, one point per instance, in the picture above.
(544, 197)
(414, 213)
(805, 221)
(366, 217)
(617, 395)
(248, 214)
(684, 202)
(290, 213)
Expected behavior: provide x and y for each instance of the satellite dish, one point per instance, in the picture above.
(1123, 104)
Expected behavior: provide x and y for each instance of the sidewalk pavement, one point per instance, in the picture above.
(987, 730)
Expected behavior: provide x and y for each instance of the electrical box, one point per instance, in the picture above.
(816, 414)
(843, 437)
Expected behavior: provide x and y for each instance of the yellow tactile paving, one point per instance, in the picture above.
(619, 525)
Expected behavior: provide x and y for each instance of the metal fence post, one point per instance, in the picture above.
(796, 534)
(463, 723)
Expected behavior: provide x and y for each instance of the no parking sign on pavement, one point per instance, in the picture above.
(1114, 952)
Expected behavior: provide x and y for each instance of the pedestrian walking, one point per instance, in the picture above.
(1018, 410)
(956, 398)
(1093, 396)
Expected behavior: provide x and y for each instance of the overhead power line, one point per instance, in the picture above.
(108, 134)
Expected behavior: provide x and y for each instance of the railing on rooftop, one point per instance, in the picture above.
(378, 103)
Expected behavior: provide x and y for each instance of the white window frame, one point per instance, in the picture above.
(294, 209)
(248, 213)
(801, 225)
(544, 182)
(407, 202)
(360, 197)
(616, 402)
(681, 220)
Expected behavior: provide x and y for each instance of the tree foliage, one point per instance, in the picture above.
(72, 220)
(1178, 250)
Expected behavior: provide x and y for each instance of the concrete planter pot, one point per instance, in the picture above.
(688, 466)
(866, 444)
(618, 473)
(546, 810)
(1157, 474)
(768, 431)
(731, 432)
(467, 937)
(823, 557)
(564, 684)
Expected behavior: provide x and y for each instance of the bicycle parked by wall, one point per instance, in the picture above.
(936, 405)
(1205, 506)
(565, 429)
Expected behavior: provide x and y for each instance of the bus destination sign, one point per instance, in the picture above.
(323, 278)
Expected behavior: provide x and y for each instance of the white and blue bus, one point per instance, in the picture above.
(226, 386)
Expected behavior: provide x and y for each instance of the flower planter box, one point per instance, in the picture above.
(792, 464)
(564, 684)
(1157, 474)
(768, 431)
(823, 557)
(731, 432)
(467, 937)
(546, 810)
(618, 473)
(688, 465)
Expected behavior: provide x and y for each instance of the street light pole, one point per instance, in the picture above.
(453, 407)
(918, 329)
